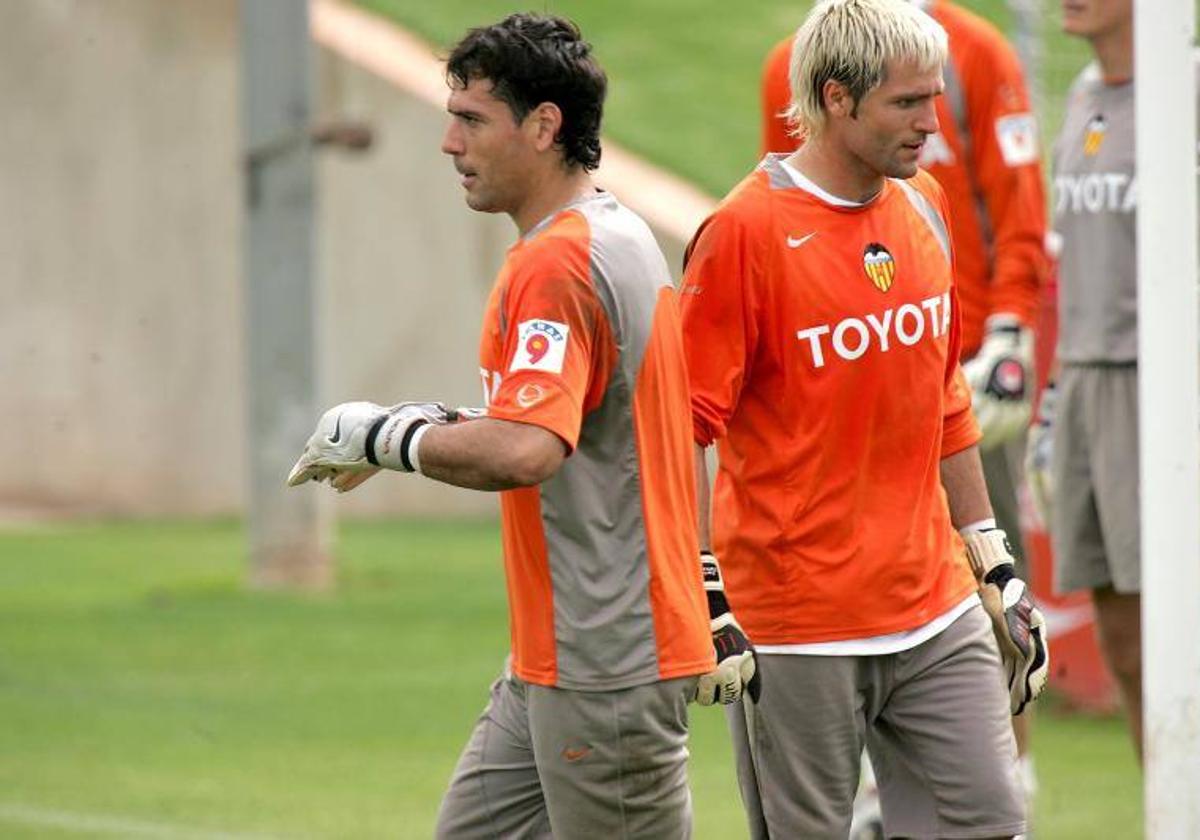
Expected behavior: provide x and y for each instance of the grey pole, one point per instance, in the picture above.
(1027, 39)
(288, 529)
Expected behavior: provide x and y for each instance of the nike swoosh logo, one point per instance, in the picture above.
(793, 242)
(337, 431)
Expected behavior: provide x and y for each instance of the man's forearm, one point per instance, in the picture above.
(966, 490)
(490, 454)
(703, 498)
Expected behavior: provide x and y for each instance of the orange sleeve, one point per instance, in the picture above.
(1007, 171)
(776, 96)
(557, 346)
(959, 427)
(719, 325)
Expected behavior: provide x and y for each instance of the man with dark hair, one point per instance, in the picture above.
(560, 71)
(586, 435)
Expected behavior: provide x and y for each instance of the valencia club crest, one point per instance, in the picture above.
(879, 265)
(1093, 137)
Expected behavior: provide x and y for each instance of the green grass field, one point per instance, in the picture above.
(684, 74)
(145, 693)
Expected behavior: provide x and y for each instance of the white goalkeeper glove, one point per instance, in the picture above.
(354, 440)
(1001, 378)
(1039, 452)
(1019, 626)
(736, 664)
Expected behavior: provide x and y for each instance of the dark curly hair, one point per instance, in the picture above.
(531, 59)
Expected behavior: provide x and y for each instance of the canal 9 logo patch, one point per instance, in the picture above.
(541, 345)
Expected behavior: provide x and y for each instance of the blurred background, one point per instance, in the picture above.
(217, 218)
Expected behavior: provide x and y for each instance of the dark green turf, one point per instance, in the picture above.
(684, 74)
(140, 681)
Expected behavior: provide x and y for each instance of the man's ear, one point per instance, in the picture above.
(543, 124)
(837, 99)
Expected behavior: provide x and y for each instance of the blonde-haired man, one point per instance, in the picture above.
(985, 156)
(822, 332)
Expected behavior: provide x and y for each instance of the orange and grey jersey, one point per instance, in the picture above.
(582, 337)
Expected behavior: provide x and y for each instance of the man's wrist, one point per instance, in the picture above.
(1003, 321)
(383, 450)
(986, 550)
(978, 527)
(413, 450)
(714, 585)
(1000, 575)
(711, 570)
(369, 443)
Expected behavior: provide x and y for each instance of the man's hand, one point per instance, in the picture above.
(354, 440)
(1039, 451)
(1019, 626)
(1001, 375)
(736, 663)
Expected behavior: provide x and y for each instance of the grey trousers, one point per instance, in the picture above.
(548, 762)
(935, 720)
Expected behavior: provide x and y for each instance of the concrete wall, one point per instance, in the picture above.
(121, 349)
(120, 330)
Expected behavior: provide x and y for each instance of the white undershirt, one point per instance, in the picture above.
(889, 642)
(877, 645)
(808, 185)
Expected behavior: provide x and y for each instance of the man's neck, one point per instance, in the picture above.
(1114, 53)
(836, 172)
(552, 192)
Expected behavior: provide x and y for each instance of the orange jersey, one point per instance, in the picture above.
(822, 345)
(986, 158)
(582, 337)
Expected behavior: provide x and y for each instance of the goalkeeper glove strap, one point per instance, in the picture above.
(407, 448)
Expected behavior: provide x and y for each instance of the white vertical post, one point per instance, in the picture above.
(1169, 393)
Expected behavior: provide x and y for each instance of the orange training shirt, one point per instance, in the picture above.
(582, 337)
(986, 158)
(822, 345)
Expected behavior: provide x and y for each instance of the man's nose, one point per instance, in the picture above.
(452, 139)
(927, 120)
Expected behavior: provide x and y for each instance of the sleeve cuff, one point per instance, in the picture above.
(960, 432)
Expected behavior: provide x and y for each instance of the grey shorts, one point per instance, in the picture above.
(935, 720)
(547, 762)
(1004, 470)
(1095, 527)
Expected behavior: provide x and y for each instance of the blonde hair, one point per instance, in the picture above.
(852, 42)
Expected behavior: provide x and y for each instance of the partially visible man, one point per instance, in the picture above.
(822, 332)
(986, 158)
(586, 435)
(1086, 441)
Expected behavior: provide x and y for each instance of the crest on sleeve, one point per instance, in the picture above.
(541, 345)
(1017, 136)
